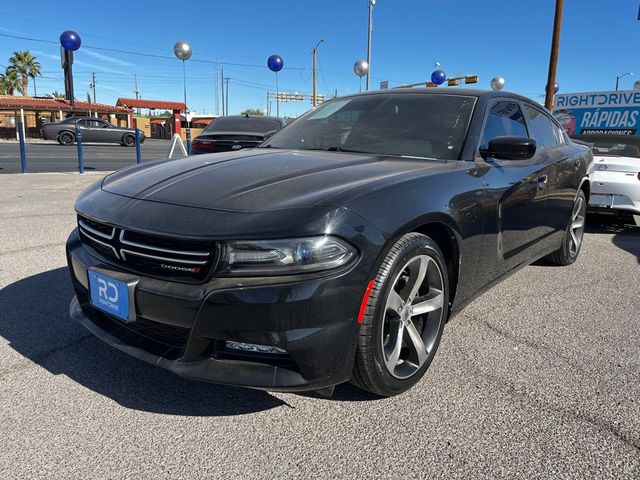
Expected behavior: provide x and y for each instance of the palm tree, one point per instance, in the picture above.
(57, 94)
(25, 65)
(10, 83)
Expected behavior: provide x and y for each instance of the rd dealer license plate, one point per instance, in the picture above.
(109, 295)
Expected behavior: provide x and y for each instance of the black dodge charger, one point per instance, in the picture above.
(338, 249)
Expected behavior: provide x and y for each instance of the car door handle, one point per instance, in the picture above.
(542, 181)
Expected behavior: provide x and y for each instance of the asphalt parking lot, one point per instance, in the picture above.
(539, 378)
(52, 157)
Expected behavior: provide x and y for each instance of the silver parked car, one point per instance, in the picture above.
(92, 130)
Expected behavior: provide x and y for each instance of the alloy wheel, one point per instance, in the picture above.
(576, 229)
(412, 317)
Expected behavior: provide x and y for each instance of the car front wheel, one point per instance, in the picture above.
(404, 317)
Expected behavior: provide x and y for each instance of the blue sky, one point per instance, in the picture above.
(510, 38)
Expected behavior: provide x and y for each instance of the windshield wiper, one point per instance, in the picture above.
(340, 149)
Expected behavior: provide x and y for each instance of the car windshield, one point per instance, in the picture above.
(244, 124)
(402, 124)
(615, 148)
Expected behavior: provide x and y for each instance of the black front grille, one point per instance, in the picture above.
(165, 257)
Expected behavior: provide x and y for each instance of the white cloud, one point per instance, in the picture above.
(106, 58)
(51, 56)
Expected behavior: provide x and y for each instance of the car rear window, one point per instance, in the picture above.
(243, 124)
(616, 149)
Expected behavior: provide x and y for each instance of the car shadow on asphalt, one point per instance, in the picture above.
(34, 320)
(626, 234)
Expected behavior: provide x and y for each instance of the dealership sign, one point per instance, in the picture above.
(615, 113)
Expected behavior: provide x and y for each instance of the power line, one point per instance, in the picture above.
(141, 54)
(59, 28)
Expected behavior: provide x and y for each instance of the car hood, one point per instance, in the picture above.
(265, 180)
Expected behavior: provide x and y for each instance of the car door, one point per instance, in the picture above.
(93, 130)
(99, 130)
(85, 130)
(562, 172)
(515, 190)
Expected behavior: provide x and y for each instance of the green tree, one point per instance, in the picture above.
(25, 65)
(57, 94)
(10, 83)
(252, 111)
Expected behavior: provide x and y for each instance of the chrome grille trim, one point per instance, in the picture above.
(105, 244)
(124, 241)
(155, 255)
(125, 252)
(96, 232)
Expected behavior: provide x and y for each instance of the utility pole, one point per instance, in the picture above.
(553, 57)
(136, 91)
(216, 89)
(226, 80)
(371, 4)
(222, 86)
(93, 85)
(314, 99)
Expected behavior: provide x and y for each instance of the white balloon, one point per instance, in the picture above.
(360, 68)
(497, 83)
(182, 50)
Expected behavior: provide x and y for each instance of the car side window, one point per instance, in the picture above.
(543, 131)
(81, 123)
(504, 119)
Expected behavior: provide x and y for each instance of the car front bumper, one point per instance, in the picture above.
(184, 328)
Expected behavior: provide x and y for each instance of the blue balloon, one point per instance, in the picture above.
(438, 77)
(556, 88)
(70, 40)
(275, 63)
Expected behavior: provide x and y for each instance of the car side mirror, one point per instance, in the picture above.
(509, 148)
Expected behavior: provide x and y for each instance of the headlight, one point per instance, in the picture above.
(283, 257)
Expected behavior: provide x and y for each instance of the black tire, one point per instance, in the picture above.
(66, 138)
(376, 332)
(569, 251)
(129, 140)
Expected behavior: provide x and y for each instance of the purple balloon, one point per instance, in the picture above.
(275, 63)
(70, 40)
(438, 77)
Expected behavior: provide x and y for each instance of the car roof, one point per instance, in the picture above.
(467, 92)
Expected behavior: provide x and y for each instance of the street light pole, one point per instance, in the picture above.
(553, 58)
(371, 4)
(621, 76)
(314, 100)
